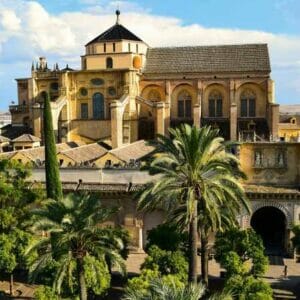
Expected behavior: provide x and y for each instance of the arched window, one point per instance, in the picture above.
(184, 105)
(215, 104)
(248, 106)
(109, 63)
(154, 96)
(98, 106)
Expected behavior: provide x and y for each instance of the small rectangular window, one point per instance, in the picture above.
(219, 112)
(180, 109)
(251, 107)
(104, 47)
(114, 47)
(84, 111)
(244, 109)
(129, 48)
(211, 108)
(137, 48)
(188, 108)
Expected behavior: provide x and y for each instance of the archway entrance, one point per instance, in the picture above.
(270, 223)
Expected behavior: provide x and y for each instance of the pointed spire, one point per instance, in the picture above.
(37, 66)
(118, 16)
(32, 66)
(46, 66)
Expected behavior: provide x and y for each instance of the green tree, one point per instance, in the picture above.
(166, 262)
(241, 251)
(296, 238)
(197, 172)
(53, 184)
(75, 240)
(16, 199)
(167, 236)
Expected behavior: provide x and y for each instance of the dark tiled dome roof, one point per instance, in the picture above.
(115, 33)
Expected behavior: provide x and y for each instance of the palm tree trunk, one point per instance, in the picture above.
(193, 238)
(81, 280)
(204, 257)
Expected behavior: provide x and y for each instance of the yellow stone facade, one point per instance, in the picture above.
(113, 98)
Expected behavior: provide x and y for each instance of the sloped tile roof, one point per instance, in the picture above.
(86, 153)
(115, 33)
(135, 151)
(4, 139)
(208, 59)
(37, 153)
(26, 137)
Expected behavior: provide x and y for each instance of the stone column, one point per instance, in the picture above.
(197, 106)
(271, 91)
(274, 110)
(37, 120)
(168, 107)
(160, 118)
(233, 112)
(116, 124)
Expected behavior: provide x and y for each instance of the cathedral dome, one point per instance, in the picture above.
(115, 33)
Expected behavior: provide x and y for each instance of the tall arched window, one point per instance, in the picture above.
(98, 106)
(184, 105)
(154, 96)
(109, 63)
(215, 104)
(248, 106)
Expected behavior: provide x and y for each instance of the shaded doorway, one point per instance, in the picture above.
(270, 223)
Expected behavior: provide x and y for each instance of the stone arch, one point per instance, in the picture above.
(179, 89)
(150, 88)
(260, 97)
(220, 88)
(280, 206)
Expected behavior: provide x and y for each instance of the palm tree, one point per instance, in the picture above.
(73, 232)
(158, 290)
(195, 171)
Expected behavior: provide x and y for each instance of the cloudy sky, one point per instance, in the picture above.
(59, 29)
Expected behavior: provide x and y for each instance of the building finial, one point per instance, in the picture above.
(118, 16)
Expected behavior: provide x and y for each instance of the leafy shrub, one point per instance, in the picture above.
(45, 293)
(167, 262)
(97, 275)
(167, 237)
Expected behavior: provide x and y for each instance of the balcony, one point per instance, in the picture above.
(19, 109)
(47, 74)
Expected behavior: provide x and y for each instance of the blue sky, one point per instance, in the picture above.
(59, 29)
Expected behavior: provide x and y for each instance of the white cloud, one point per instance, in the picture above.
(63, 36)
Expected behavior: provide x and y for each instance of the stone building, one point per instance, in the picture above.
(127, 91)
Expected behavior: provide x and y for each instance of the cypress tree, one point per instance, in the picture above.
(53, 183)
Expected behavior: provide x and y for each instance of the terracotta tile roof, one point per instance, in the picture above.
(26, 138)
(135, 151)
(4, 139)
(35, 154)
(86, 153)
(269, 189)
(208, 59)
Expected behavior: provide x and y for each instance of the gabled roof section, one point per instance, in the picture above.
(208, 59)
(115, 33)
(136, 151)
(27, 138)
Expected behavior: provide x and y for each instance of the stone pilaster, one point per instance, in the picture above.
(197, 105)
(233, 112)
(168, 107)
(37, 120)
(160, 118)
(116, 124)
(274, 110)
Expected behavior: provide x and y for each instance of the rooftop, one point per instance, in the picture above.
(135, 150)
(208, 59)
(27, 138)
